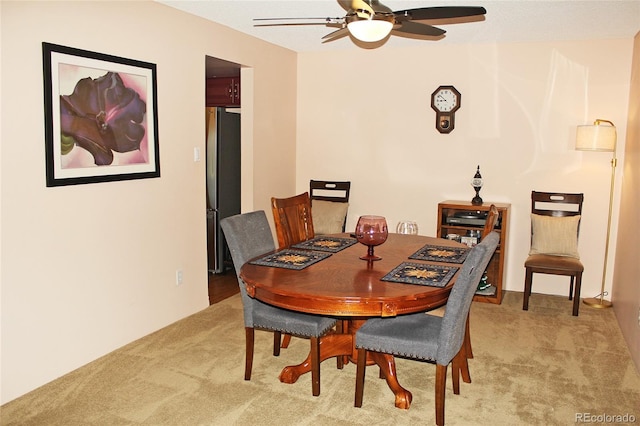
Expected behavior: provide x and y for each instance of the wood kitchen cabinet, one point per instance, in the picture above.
(461, 217)
(223, 92)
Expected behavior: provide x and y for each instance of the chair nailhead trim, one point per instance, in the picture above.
(397, 353)
(293, 332)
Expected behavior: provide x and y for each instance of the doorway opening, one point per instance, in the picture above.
(223, 169)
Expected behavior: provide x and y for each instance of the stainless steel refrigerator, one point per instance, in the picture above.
(223, 181)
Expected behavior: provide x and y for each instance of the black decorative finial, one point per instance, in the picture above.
(476, 182)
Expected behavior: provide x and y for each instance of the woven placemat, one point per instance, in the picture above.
(441, 254)
(421, 274)
(330, 244)
(291, 259)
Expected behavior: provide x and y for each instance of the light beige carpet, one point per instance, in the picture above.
(541, 367)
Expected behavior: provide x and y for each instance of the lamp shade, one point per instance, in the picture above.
(370, 30)
(596, 138)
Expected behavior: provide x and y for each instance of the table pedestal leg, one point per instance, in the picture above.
(331, 345)
(342, 345)
(387, 366)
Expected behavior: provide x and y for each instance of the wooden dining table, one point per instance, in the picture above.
(344, 286)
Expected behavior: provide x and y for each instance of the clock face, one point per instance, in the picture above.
(445, 100)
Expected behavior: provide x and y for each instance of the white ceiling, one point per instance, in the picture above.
(505, 21)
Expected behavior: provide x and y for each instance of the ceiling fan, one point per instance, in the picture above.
(371, 21)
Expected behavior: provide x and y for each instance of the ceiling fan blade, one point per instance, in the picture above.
(286, 19)
(441, 12)
(336, 34)
(294, 24)
(419, 29)
(325, 19)
(345, 4)
(279, 22)
(379, 7)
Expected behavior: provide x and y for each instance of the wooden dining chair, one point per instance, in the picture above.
(555, 228)
(248, 236)
(330, 203)
(491, 222)
(293, 219)
(428, 337)
(294, 224)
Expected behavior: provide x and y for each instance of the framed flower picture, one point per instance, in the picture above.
(101, 119)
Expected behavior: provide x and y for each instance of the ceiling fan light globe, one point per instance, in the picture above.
(370, 30)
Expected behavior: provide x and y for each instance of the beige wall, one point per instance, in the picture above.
(521, 104)
(626, 292)
(86, 269)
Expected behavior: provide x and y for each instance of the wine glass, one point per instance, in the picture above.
(371, 231)
(407, 227)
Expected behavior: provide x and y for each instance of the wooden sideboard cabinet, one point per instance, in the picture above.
(223, 92)
(460, 217)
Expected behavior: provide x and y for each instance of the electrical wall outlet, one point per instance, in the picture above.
(178, 276)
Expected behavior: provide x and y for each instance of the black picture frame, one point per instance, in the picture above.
(101, 117)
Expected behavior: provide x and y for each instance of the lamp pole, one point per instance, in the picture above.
(601, 138)
(600, 302)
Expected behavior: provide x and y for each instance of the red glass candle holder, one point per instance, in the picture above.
(371, 231)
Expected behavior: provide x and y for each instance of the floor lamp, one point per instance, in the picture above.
(599, 137)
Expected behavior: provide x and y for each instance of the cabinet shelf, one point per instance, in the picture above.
(495, 269)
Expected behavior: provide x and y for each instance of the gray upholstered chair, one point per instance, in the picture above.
(248, 236)
(492, 219)
(428, 337)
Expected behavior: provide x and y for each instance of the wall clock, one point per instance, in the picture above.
(445, 101)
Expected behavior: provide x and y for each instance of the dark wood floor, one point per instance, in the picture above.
(222, 286)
